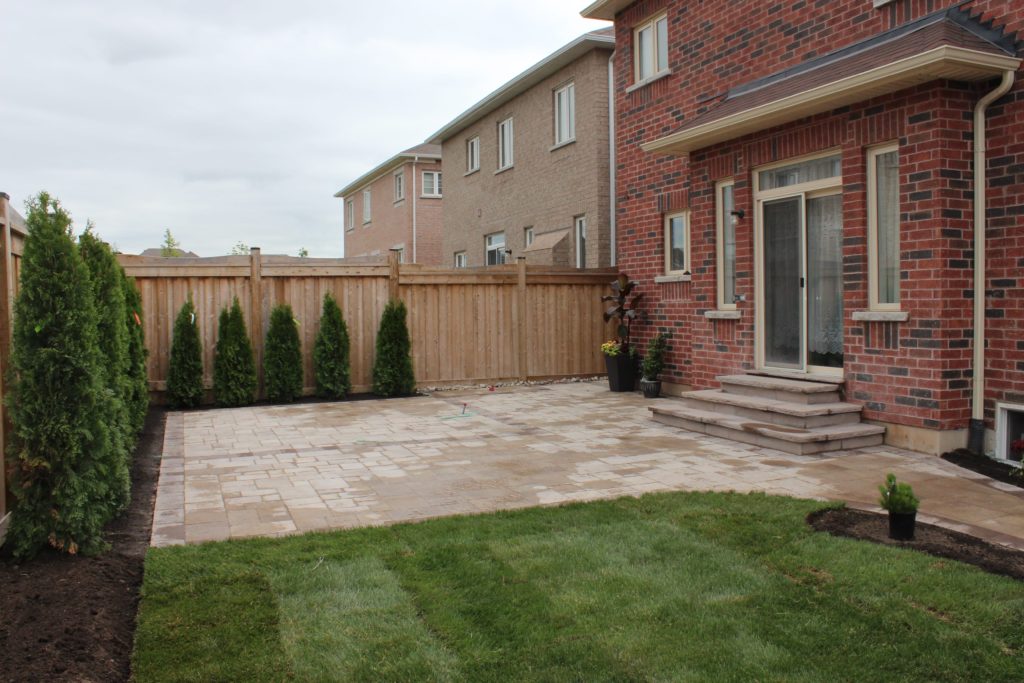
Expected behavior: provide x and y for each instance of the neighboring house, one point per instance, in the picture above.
(396, 206)
(527, 167)
(796, 197)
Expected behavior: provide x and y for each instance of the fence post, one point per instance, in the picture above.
(523, 332)
(6, 321)
(256, 314)
(393, 274)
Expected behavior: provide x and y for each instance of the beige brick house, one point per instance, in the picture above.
(527, 168)
(397, 205)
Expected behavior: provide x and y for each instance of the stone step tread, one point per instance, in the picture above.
(771, 405)
(790, 434)
(795, 386)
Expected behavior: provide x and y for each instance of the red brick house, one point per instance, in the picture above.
(796, 194)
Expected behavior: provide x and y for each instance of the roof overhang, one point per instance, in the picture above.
(606, 9)
(943, 62)
(524, 81)
(382, 170)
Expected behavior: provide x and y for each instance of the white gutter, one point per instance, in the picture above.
(414, 193)
(976, 432)
(611, 157)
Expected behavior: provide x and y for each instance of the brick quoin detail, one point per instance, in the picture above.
(916, 373)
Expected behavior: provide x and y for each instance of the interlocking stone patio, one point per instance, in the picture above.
(270, 471)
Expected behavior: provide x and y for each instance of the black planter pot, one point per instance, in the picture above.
(901, 525)
(621, 372)
(650, 387)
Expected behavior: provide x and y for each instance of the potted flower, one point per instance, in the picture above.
(619, 356)
(900, 501)
(654, 363)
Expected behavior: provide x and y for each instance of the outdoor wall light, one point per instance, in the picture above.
(738, 213)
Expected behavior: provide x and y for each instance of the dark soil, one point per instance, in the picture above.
(934, 540)
(67, 618)
(982, 464)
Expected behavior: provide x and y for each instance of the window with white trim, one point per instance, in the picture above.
(580, 228)
(506, 143)
(367, 204)
(677, 244)
(650, 48)
(401, 254)
(460, 259)
(431, 183)
(473, 154)
(350, 214)
(725, 241)
(565, 114)
(494, 249)
(528, 236)
(399, 186)
(884, 228)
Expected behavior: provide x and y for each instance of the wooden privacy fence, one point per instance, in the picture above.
(467, 325)
(12, 236)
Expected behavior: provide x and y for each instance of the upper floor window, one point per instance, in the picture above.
(580, 223)
(527, 236)
(725, 205)
(350, 214)
(565, 114)
(677, 243)
(473, 154)
(494, 249)
(650, 47)
(399, 186)
(367, 203)
(505, 144)
(401, 254)
(884, 228)
(431, 183)
(460, 259)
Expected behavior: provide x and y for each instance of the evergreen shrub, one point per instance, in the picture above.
(392, 368)
(331, 352)
(282, 356)
(137, 397)
(234, 370)
(185, 375)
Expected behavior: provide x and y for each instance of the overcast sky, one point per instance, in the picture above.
(229, 121)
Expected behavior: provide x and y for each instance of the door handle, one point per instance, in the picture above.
(802, 283)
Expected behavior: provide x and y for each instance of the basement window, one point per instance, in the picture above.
(1009, 429)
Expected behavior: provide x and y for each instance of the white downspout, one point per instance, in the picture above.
(415, 159)
(611, 158)
(976, 432)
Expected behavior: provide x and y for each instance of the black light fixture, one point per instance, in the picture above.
(738, 213)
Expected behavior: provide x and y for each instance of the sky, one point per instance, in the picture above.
(226, 121)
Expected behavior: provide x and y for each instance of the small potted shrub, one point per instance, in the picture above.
(900, 501)
(654, 363)
(619, 356)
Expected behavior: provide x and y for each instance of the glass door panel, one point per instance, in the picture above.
(783, 270)
(825, 281)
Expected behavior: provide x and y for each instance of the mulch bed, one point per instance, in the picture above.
(982, 464)
(73, 618)
(934, 540)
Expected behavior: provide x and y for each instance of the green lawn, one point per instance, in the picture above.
(682, 587)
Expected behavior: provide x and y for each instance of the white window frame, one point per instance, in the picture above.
(872, 190)
(435, 184)
(399, 185)
(722, 219)
(565, 114)
(473, 154)
(401, 253)
(579, 230)
(506, 144)
(501, 250)
(460, 259)
(685, 216)
(528, 236)
(658, 49)
(350, 214)
(367, 206)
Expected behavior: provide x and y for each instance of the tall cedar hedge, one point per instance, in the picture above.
(331, 353)
(392, 368)
(282, 356)
(60, 453)
(137, 397)
(108, 296)
(185, 374)
(234, 370)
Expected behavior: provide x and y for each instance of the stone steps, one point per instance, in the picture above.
(771, 410)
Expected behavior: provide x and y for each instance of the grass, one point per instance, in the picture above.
(682, 587)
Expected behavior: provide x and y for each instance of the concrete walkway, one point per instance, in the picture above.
(270, 471)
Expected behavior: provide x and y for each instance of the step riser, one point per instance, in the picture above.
(772, 417)
(763, 441)
(781, 395)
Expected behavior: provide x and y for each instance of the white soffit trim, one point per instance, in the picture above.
(947, 61)
(606, 9)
